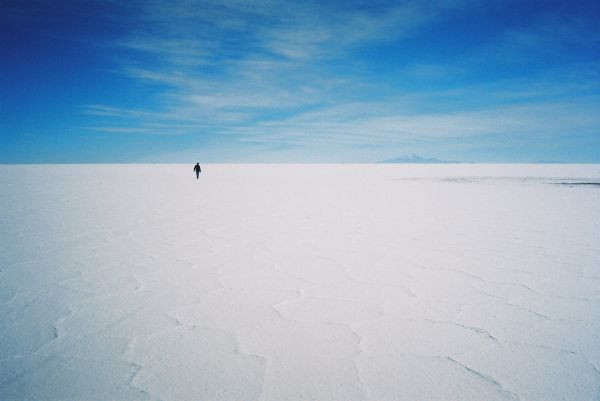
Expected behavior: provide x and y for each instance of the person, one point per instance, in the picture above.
(197, 170)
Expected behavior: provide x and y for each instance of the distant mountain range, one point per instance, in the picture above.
(412, 158)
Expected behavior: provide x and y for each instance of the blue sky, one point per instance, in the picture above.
(327, 81)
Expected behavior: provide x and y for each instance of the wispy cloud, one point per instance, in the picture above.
(542, 120)
(282, 73)
(236, 60)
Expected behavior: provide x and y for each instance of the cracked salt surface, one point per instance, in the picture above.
(328, 282)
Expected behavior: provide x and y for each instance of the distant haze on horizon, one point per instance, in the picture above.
(160, 81)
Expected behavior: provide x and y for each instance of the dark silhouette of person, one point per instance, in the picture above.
(197, 170)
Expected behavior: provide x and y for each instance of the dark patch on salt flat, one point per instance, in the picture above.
(573, 184)
(522, 180)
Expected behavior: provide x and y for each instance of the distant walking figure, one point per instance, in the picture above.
(197, 170)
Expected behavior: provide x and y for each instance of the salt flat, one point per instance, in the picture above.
(300, 282)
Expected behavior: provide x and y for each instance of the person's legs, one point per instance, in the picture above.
(197, 174)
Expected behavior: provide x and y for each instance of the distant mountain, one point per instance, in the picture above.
(412, 158)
